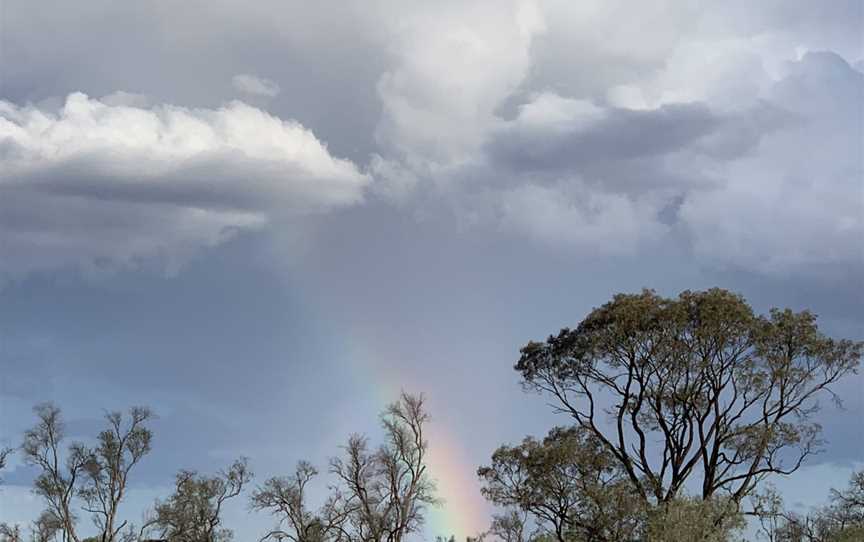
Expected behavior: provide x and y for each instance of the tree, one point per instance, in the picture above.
(381, 494)
(387, 490)
(509, 526)
(97, 476)
(842, 520)
(8, 533)
(43, 529)
(727, 394)
(847, 506)
(120, 447)
(4, 457)
(193, 513)
(286, 498)
(57, 480)
(687, 519)
(570, 485)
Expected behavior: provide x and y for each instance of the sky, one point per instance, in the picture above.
(265, 220)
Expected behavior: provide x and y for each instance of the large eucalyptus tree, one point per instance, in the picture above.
(696, 388)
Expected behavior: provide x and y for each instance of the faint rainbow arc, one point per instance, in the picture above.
(462, 512)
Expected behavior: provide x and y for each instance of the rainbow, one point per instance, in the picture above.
(463, 511)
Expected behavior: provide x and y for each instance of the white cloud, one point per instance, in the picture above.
(455, 63)
(102, 186)
(256, 86)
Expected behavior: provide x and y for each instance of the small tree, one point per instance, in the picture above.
(697, 385)
(286, 498)
(42, 530)
(4, 457)
(847, 506)
(569, 484)
(193, 513)
(511, 526)
(842, 520)
(97, 476)
(121, 446)
(58, 480)
(387, 490)
(381, 493)
(8, 533)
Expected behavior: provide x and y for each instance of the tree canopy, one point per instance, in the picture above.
(695, 386)
(573, 487)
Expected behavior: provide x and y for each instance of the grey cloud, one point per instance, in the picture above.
(660, 121)
(795, 205)
(254, 85)
(634, 151)
(422, 90)
(734, 183)
(103, 185)
(618, 135)
(739, 133)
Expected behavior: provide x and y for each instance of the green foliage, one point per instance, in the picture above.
(94, 477)
(193, 512)
(700, 386)
(690, 519)
(568, 483)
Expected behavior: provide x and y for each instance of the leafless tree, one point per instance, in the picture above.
(193, 513)
(842, 520)
(387, 490)
(8, 533)
(381, 493)
(364, 505)
(286, 499)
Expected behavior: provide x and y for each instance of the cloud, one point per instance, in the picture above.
(256, 86)
(454, 64)
(797, 203)
(690, 135)
(675, 109)
(577, 134)
(101, 186)
(571, 213)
